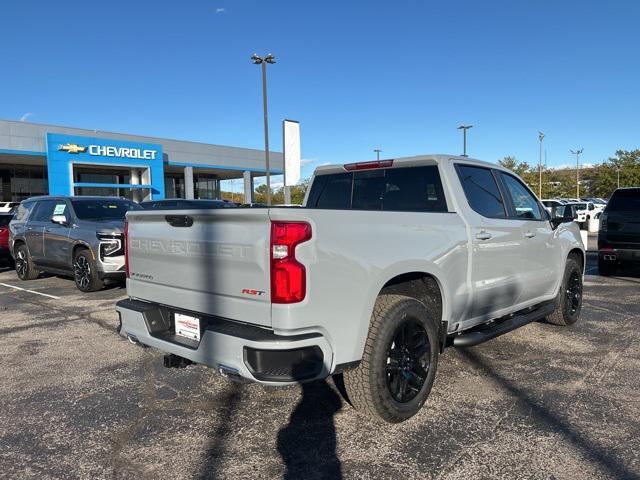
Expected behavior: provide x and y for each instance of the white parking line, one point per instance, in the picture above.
(30, 291)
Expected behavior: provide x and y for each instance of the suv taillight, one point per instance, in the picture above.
(288, 276)
(603, 221)
(126, 247)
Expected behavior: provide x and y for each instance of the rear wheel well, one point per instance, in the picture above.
(424, 288)
(16, 244)
(579, 256)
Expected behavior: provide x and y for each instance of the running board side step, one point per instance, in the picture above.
(482, 333)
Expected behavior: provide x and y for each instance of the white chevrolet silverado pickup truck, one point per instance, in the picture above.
(386, 265)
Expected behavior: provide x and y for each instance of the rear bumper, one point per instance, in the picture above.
(620, 255)
(239, 350)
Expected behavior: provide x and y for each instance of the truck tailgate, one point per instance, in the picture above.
(212, 262)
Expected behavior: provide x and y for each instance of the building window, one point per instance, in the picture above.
(206, 186)
(174, 185)
(19, 182)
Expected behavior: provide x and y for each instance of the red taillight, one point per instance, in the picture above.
(288, 276)
(368, 165)
(126, 247)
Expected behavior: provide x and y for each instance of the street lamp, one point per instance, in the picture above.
(577, 154)
(377, 150)
(540, 137)
(464, 129)
(257, 60)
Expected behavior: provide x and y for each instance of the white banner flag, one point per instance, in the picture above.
(291, 147)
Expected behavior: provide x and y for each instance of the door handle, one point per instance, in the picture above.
(483, 235)
(529, 234)
(29, 228)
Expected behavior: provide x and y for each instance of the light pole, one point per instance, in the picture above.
(377, 150)
(540, 137)
(577, 154)
(263, 62)
(464, 129)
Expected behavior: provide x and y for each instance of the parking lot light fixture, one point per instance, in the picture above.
(377, 150)
(263, 61)
(577, 154)
(464, 129)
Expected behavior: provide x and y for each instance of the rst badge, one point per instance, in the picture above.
(248, 291)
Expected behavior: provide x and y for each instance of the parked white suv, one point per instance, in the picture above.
(6, 207)
(386, 265)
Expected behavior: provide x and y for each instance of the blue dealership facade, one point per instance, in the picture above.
(37, 159)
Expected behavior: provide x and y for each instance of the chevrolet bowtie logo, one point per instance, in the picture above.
(72, 148)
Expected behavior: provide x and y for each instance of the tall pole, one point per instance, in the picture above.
(377, 150)
(540, 137)
(577, 154)
(266, 130)
(464, 129)
(263, 63)
(618, 171)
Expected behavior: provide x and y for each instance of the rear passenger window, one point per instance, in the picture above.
(331, 191)
(412, 189)
(482, 191)
(44, 211)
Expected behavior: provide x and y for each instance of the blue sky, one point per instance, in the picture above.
(357, 75)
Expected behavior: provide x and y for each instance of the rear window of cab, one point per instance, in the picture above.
(411, 189)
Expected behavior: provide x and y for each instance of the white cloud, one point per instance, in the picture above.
(220, 10)
(26, 116)
(308, 161)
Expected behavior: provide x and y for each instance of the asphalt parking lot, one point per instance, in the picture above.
(78, 401)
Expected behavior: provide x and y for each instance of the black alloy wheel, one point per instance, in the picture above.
(22, 263)
(82, 272)
(408, 361)
(574, 293)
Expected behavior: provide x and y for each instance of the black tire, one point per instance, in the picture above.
(85, 272)
(606, 268)
(569, 299)
(25, 269)
(375, 388)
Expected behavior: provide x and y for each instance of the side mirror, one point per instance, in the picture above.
(60, 220)
(560, 215)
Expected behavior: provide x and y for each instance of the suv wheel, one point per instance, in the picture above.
(569, 299)
(85, 272)
(25, 268)
(399, 363)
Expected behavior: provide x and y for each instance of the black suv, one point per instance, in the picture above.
(619, 235)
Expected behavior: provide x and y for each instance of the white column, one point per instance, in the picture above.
(188, 183)
(135, 180)
(145, 179)
(248, 186)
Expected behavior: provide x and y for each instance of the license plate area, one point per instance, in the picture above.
(187, 326)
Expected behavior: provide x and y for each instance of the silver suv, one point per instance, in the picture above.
(79, 236)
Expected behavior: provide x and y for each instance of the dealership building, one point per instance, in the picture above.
(38, 159)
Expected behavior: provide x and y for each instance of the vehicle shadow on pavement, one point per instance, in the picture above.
(591, 450)
(219, 438)
(307, 444)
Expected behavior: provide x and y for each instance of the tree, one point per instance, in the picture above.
(625, 162)
(515, 165)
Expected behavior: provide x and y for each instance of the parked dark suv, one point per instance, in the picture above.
(79, 236)
(619, 235)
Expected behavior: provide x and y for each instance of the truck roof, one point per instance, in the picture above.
(429, 159)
